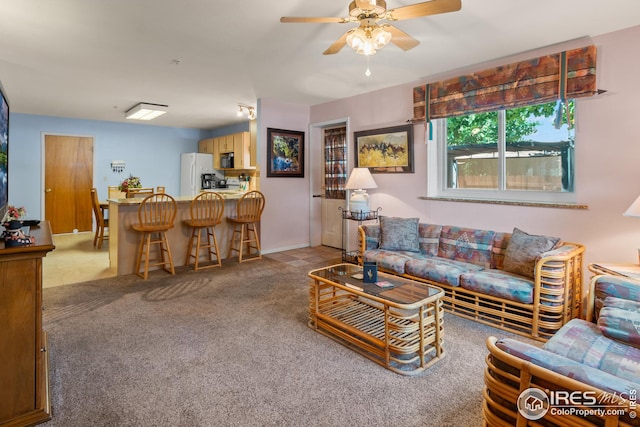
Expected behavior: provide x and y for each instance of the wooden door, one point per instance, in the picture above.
(333, 196)
(68, 178)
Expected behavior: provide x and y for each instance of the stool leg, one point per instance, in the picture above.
(256, 239)
(215, 246)
(147, 247)
(233, 237)
(165, 242)
(241, 243)
(190, 247)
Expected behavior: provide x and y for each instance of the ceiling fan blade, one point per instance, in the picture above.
(427, 8)
(295, 20)
(338, 45)
(401, 39)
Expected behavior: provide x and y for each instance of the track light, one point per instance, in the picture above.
(251, 111)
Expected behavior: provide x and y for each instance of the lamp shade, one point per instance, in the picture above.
(634, 209)
(359, 179)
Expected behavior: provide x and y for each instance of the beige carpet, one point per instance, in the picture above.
(231, 347)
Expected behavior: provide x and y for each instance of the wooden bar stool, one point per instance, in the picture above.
(156, 214)
(248, 211)
(206, 212)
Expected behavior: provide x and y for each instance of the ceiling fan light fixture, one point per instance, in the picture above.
(380, 38)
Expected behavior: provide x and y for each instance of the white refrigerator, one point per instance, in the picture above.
(192, 166)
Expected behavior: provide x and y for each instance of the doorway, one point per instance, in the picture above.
(68, 176)
(329, 169)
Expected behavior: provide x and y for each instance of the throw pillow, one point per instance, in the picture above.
(399, 234)
(524, 249)
(619, 319)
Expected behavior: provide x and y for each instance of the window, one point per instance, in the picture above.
(524, 153)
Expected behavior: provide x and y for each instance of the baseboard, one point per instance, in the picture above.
(285, 248)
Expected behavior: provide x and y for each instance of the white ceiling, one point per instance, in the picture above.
(95, 59)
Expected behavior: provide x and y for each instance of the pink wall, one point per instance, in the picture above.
(608, 176)
(285, 220)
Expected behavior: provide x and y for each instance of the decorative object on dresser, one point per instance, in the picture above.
(14, 236)
(533, 295)
(285, 153)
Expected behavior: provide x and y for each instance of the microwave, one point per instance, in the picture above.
(226, 160)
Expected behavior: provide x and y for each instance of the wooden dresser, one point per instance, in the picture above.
(24, 372)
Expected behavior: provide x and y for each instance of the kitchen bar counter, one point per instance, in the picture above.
(123, 240)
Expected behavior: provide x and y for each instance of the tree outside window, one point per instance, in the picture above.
(520, 149)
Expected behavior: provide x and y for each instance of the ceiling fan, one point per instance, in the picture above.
(372, 34)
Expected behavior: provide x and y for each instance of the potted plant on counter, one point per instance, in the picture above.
(131, 182)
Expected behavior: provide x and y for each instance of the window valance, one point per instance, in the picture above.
(568, 74)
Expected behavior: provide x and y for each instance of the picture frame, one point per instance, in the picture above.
(386, 150)
(285, 153)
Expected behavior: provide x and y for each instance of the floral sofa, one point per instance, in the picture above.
(527, 284)
(588, 372)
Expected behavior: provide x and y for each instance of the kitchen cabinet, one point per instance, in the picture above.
(226, 143)
(241, 146)
(206, 145)
(238, 143)
(24, 370)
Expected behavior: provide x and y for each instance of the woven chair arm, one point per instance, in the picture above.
(558, 280)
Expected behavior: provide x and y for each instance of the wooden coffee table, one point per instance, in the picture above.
(400, 327)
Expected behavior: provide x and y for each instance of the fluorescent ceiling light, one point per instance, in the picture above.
(144, 111)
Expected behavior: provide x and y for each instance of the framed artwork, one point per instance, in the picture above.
(285, 153)
(387, 150)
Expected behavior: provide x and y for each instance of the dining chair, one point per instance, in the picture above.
(248, 211)
(205, 213)
(114, 192)
(160, 189)
(101, 221)
(156, 215)
(139, 192)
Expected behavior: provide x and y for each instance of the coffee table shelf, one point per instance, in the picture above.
(400, 329)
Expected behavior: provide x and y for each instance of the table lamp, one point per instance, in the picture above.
(634, 211)
(359, 180)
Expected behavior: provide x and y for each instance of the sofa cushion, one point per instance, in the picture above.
(399, 234)
(439, 270)
(568, 368)
(620, 320)
(582, 341)
(389, 260)
(499, 284)
(524, 250)
(614, 286)
(429, 238)
(466, 244)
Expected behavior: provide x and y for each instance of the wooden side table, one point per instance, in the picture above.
(631, 271)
